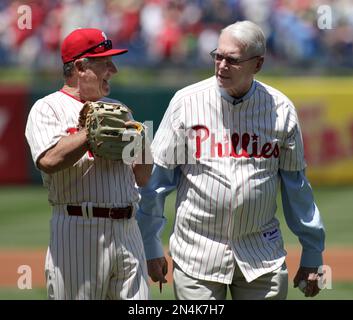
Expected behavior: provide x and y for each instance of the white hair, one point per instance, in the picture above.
(249, 35)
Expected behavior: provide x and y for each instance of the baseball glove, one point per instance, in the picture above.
(109, 130)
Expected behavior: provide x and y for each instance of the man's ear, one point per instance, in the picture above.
(80, 65)
(259, 64)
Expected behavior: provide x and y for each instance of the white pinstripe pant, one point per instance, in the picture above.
(95, 258)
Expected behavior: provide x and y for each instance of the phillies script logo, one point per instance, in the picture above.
(228, 148)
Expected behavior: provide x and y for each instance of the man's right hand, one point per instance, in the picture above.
(157, 269)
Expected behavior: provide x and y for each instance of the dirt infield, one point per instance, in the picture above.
(339, 260)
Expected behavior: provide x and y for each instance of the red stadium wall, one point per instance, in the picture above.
(13, 148)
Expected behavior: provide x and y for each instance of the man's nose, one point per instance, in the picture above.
(112, 67)
(223, 64)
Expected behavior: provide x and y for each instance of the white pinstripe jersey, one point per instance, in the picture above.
(96, 180)
(226, 200)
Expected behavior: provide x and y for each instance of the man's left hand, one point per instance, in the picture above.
(311, 277)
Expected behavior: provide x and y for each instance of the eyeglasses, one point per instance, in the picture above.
(230, 60)
(100, 47)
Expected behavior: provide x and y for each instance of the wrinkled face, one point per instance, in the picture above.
(94, 80)
(236, 78)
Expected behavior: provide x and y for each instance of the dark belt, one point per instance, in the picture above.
(112, 213)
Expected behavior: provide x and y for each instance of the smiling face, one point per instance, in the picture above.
(93, 80)
(235, 79)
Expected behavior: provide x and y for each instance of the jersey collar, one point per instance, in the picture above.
(70, 95)
(233, 100)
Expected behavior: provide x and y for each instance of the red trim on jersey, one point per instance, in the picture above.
(71, 130)
(70, 95)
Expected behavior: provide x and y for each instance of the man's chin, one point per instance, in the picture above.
(224, 85)
(224, 82)
(105, 91)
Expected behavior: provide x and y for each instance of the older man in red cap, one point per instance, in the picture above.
(92, 254)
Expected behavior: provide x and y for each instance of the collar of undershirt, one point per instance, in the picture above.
(234, 100)
(71, 96)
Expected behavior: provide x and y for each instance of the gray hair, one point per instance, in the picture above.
(249, 35)
(69, 67)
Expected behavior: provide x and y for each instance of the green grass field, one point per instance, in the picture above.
(25, 214)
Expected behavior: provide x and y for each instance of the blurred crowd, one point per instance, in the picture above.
(179, 32)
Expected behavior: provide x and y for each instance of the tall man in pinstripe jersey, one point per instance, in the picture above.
(96, 250)
(241, 140)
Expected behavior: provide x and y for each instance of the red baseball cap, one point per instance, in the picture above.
(82, 43)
